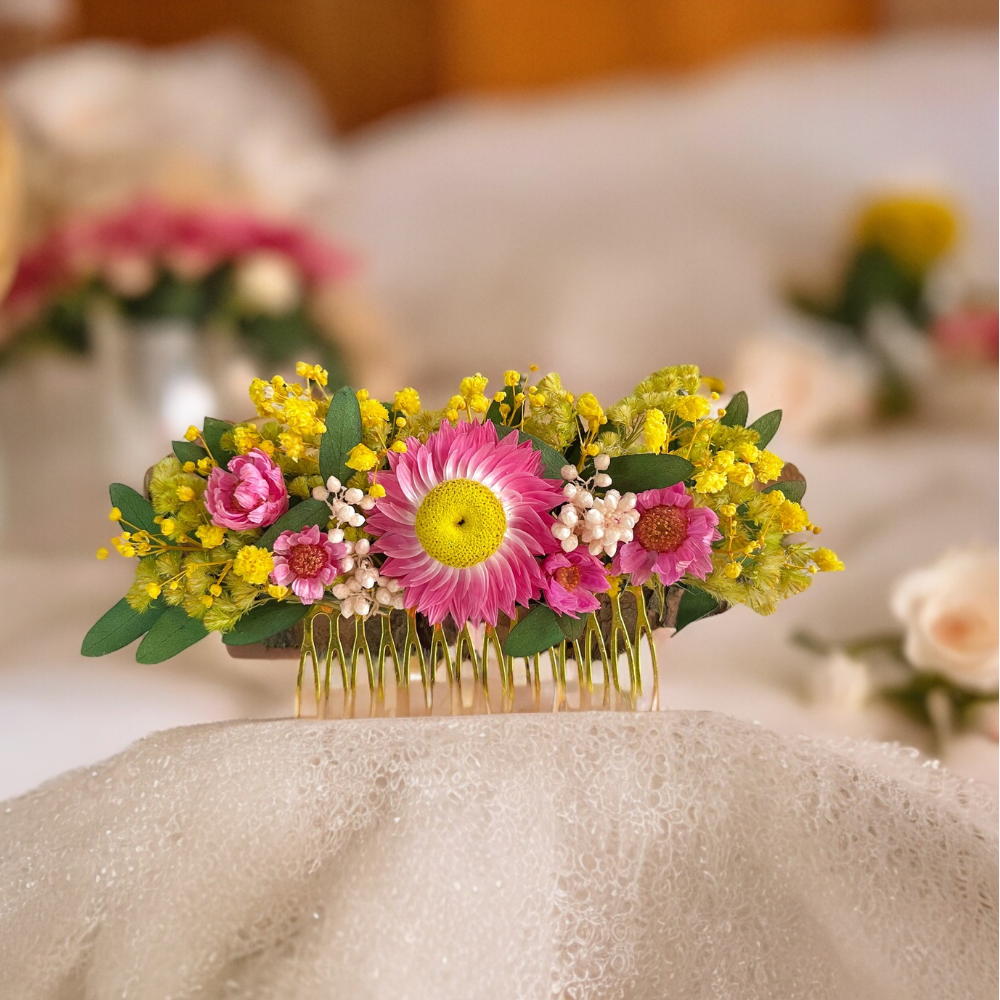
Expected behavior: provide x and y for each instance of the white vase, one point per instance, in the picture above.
(156, 381)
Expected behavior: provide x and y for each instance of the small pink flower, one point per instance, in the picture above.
(672, 538)
(307, 561)
(250, 495)
(570, 581)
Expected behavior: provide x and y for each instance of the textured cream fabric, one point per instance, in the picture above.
(677, 855)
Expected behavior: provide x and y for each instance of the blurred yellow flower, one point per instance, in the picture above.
(916, 230)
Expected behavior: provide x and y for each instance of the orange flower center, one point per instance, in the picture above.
(305, 561)
(661, 529)
(568, 577)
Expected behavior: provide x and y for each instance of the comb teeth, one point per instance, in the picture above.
(469, 674)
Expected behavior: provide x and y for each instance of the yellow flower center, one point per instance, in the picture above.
(460, 523)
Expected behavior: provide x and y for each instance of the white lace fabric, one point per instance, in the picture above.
(682, 854)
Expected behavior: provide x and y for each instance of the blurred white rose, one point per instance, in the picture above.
(822, 384)
(951, 618)
(840, 682)
(268, 282)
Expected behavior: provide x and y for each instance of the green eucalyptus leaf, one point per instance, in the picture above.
(766, 427)
(552, 460)
(572, 628)
(695, 604)
(493, 413)
(264, 621)
(171, 633)
(212, 433)
(343, 432)
(537, 630)
(188, 451)
(118, 627)
(737, 411)
(794, 489)
(302, 515)
(636, 473)
(137, 511)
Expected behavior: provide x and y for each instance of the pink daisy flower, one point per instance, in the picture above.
(570, 581)
(307, 561)
(462, 520)
(672, 538)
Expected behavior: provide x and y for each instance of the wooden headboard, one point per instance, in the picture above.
(370, 57)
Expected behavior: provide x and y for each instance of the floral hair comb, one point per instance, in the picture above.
(493, 531)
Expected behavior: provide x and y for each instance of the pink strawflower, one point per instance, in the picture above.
(570, 581)
(462, 520)
(307, 561)
(251, 494)
(672, 538)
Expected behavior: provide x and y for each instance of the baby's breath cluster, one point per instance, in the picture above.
(599, 522)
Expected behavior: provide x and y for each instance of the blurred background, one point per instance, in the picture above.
(800, 196)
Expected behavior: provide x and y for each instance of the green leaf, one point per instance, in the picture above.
(552, 460)
(695, 604)
(302, 515)
(265, 621)
(212, 433)
(794, 489)
(737, 411)
(767, 426)
(536, 631)
(137, 511)
(118, 627)
(572, 628)
(343, 432)
(636, 473)
(171, 633)
(493, 413)
(188, 451)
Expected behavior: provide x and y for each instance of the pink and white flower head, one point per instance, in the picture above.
(461, 523)
(251, 494)
(307, 562)
(672, 538)
(571, 580)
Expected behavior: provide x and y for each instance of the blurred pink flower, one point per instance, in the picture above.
(192, 241)
(307, 561)
(250, 495)
(971, 333)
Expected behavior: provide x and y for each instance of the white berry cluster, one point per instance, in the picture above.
(600, 523)
(364, 588)
(342, 503)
